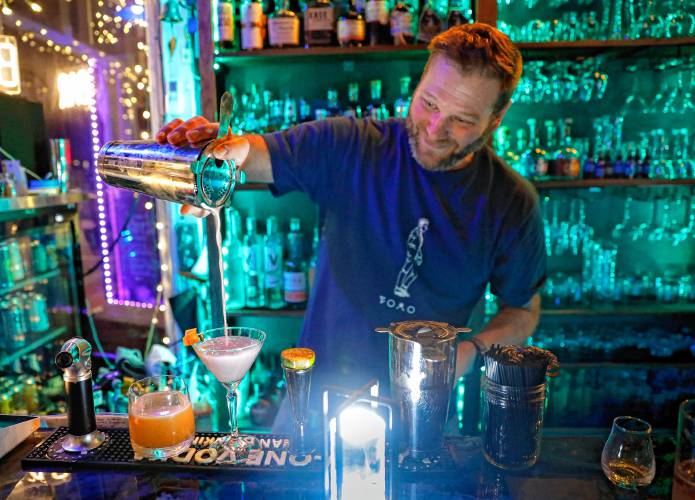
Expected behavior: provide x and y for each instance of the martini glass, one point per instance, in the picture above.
(229, 353)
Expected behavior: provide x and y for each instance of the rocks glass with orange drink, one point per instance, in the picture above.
(160, 417)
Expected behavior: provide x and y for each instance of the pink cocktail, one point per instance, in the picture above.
(229, 353)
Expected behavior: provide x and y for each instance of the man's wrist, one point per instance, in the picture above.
(480, 347)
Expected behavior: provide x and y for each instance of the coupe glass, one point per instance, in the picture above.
(628, 456)
(229, 353)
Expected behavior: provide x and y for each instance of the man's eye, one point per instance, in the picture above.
(463, 121)
(428, 104)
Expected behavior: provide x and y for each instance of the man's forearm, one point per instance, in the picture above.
(257, 165)
(512, 325)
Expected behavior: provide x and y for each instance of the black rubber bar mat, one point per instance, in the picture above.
(269, 453)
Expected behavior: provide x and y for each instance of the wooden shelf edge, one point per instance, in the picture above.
(622, 311)
(266, 313)
(589, 183)
(417, 50)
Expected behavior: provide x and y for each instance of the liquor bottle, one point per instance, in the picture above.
(600, 166)
(589, 167)
(376, 109)
(460, 12)
(253, 262)
(402, 23)
(566, 155)
(402, 104)
(351, 27)
(534, 158)
(354, 109)
(225, 25)
(313, 260)
(252, 25)
(377, 18)
(272, 265)
(332, 104)
(283, 27)
(552, 166)
(289, 112)
(430, 23)
(319, 24)
(631, 163)
(233, 257)
(294, 275)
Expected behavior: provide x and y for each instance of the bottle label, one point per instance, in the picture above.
(401, 23)
(272, 281)
(272, 260)
(284, 31)
(377, 12)
(252, 13)
(251, 37)
(295, 287)
(319, 19)
(351, 30)
(225, 15)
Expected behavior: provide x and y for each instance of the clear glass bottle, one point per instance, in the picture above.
(332, 104)
(534, 158)
(319, 24)
(430, 23)
(272, 265)
(225, 25)
(351, 27)
(283, 27)
(253, 265)
(252, 25)
(377, 19)
(313, 259)
(233, 258)
(353, 109)
(566, 156)
(376, 108)
(402, 20)
(460, 12)
(402, 104)
(295, 275)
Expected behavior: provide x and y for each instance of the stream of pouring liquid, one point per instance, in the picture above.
(216, 268)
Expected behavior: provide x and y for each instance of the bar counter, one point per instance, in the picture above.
(569, 467)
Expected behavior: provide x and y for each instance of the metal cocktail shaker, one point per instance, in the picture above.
(422, 362)
(75, 361)
(182, 175)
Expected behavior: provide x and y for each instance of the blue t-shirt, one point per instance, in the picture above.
(400, 242)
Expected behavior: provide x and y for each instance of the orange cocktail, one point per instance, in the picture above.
(160, 417)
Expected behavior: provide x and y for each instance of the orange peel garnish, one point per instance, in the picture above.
(192, 337)
(298, 358)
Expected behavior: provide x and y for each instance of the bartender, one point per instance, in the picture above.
(420, 214)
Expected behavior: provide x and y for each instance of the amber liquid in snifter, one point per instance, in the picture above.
(161, 421)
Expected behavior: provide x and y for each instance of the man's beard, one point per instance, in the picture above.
(452, 161)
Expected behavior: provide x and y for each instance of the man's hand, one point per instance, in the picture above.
(195, 132)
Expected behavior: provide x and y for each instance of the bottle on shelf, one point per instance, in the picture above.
(272, 265)
(283, 27)
(351, 27)
(534, 158)
(566, 156)
(319, 24)
(430, 22)
(225, 25)
(402, 104)
(376, 108)
(377, 19)
(402, 20)
(460, 12)
(233, 258)
(332, 104)
(551, 165)
(253, 266)
(294, 275)
(252, 25)
(353, 109)
(289, 111)
(313, 259)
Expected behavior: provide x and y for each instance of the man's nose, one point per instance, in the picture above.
(436, 127)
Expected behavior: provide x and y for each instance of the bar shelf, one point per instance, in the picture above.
(29, 281)
(269, 313)
(419, 51)
(623, 310)
(43, 339)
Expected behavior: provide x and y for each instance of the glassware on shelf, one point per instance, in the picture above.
(684, 463)
(627, 459)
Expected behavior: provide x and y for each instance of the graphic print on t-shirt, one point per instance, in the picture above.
(413, 259)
